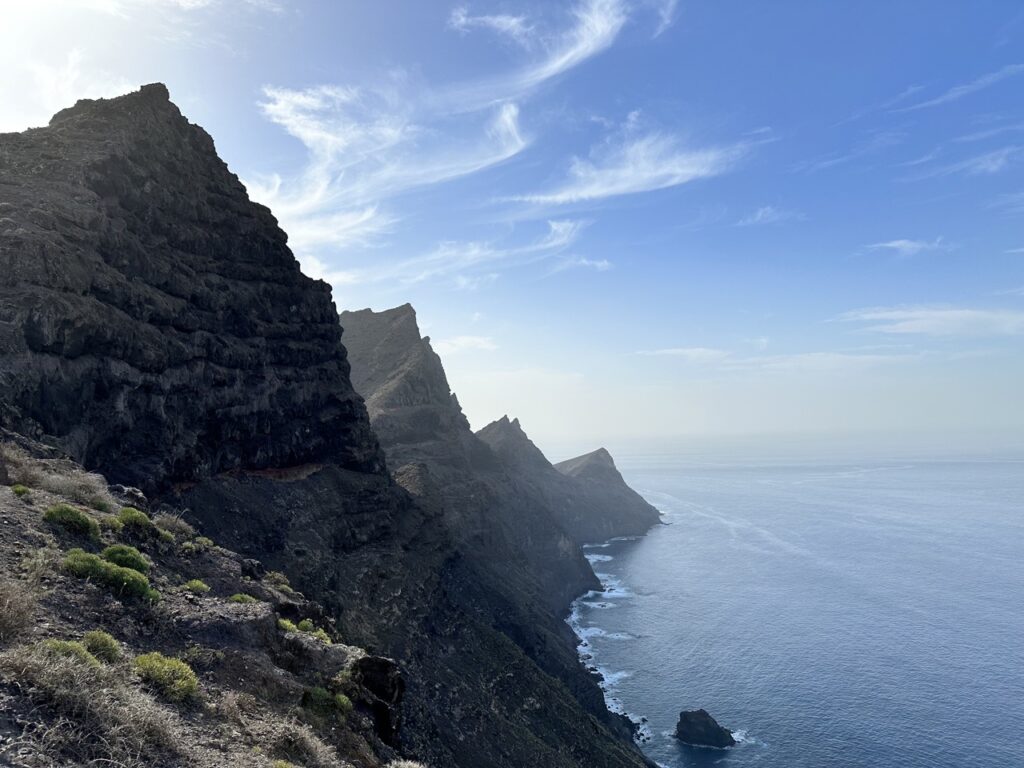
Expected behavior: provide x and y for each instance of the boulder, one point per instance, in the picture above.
(699, 729)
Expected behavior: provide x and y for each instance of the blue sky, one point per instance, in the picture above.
(621, 219)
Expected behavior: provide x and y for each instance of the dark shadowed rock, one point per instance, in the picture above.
(586, 495)
(698, 728)
(154, 322)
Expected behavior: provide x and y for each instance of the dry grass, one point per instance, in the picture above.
(297, 742)
(102, 718)
(57, 477)
(174, 524)
(18, 601)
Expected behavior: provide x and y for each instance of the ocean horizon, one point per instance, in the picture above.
(831, 612)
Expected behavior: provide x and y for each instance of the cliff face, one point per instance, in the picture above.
(587, 495)
(154, 325)
(152, 318)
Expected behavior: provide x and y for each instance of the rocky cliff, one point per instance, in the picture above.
(587, 495)
(154, 324)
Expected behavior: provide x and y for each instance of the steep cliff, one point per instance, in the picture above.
(587, 495)
(154, 324)
(152, 318)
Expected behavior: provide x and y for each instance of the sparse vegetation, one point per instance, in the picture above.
(297, 743)
(174, 524)
(126, 557)
(173, 678)
(102, 645)
(122, 581)
(287, 626)
(57, 477)
(20, 490)
(196, 586)
(280, 581)
(71, 649)
(72, 520)
(243, 599)
(102, 719)
(17, 609)
(135, 520)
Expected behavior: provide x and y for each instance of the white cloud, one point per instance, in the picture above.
(650, 162)
(965, 89)
(906, 248)
(666, 15)
(460, 344)
(369, 145)
(689, 354)
(981, 165)
(939, 321)
(515, 27)
(768, 214)
(600, 265)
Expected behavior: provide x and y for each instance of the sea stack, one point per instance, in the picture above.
(699, 729)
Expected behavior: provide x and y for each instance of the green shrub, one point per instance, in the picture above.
(123, 581)
(286, 625)
(112, 524)
(20, 490)
(135, 519)
(243, 598)
(203, 543)
(323, 702)
(174, 524)
(173, 678)
(322, 636)
(306, 625)
(196, 586)
(126, 557)
(100, 505)
(71, 649)
(72, 520)
(280, 581)
(166, 536)
(102, 645)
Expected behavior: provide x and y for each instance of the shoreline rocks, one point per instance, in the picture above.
(699, 729)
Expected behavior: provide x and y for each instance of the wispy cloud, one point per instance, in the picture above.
(459, 344)
(989, 133)
(637, 164)
(1012, 202)
(875, 143)
(768, 214)
(689, 354)
(906, 248)
(666, 15)
(959, 91)
(939, 321)
(368, 145)
(815, 362)
(573, 262)
(517, 28)
(985, 164)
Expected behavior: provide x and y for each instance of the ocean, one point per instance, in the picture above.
(832, 613)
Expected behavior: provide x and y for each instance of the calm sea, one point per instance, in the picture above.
(832, 613)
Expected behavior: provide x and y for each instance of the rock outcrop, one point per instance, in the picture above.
(699, 729)
(586, 495)
(152, 319)
(154, 325)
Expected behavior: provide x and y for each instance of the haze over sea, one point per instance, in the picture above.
(835, 612)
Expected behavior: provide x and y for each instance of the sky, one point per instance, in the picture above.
(621, 220)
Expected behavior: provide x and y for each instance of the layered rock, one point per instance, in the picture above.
(154, 324)
(152, 320)
(586, 495)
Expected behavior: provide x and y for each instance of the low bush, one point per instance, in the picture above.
(280, 581)
(126, 557)
(122, 581)
(196, 586)
(72, 520)
(307, 626)
(20, 490)
(243, 599)
(102, 720)
(17, 609)
(71, 649)
(286, 625)
(173, 678)
(323, 702)
(296, 742)
(102, 645)
(135, 520)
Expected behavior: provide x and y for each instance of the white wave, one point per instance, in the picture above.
(598, 558)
